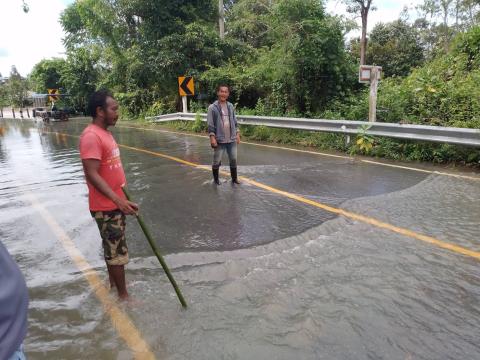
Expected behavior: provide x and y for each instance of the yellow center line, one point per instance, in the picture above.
(458, 176)
(173, 158)
(121, 321)
(369, 220)
(365, 219)
(243, 142)
(422, 170)
(348, 214)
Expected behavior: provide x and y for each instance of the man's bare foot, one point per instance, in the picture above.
(110, 285)
(133, 302)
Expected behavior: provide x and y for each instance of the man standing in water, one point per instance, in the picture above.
(105, 178)
(224, 134)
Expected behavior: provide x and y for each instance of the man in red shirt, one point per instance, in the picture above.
(105, 178)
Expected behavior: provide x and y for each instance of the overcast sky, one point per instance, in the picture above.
(27, 38)
(387, 10)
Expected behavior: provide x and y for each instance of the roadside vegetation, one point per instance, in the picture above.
(280, 57)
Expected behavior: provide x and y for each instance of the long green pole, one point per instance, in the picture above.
(157, 253)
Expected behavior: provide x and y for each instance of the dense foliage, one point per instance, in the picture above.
(280, 57)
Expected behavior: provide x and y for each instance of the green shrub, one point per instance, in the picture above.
(199, 125)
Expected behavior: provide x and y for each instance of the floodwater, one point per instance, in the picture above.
(266, 277)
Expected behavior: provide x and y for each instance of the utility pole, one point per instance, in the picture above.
(221, 19)
(374, 78)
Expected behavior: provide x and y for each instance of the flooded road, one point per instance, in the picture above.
(275, 279)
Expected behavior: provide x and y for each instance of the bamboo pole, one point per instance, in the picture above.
(157, 253)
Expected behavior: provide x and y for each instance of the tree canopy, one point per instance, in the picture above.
(279, 56)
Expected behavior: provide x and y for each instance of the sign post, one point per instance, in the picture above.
(186, 87)
(372, 75)
(184, 104)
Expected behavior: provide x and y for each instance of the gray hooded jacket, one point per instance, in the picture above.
(215, 124)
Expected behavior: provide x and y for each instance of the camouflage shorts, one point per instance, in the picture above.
(112, 230)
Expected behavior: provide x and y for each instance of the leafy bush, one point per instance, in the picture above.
(443, 92)
(199, 125)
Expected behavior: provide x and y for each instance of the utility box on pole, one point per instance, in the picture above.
(371, 74)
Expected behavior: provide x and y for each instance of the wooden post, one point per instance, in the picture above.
(184, 104)
(1, 112)
(28, 113)
(374, 78)
(221, 19)
(13, 112)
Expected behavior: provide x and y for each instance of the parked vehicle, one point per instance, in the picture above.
(47, 115)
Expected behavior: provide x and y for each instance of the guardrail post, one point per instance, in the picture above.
(347, 137)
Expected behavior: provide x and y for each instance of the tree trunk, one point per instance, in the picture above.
(457, 14)
(363, 41)
(470, 11)
(221, 19)
(445, 6)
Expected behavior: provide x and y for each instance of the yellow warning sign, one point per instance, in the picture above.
(53, 95)
(186, 86)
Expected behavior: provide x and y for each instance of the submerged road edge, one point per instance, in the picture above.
(317, 153)
(362, 218)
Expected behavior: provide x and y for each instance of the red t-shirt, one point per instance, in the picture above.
(97, 143)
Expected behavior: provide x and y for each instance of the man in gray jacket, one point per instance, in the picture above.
(224, 133)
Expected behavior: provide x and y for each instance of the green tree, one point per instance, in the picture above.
(47, 75)
(300, 64)
(443, 19)
(16, 88)
(81, 75)
(396, 47)
(4, 99)
(470, 12)
(444, 91)
(442, 9)
(143, 45)
(362, 8)
(249, 21)
(312, 62)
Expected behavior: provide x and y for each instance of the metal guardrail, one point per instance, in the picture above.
(438, 134)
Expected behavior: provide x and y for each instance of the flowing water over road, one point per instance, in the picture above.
(266, 276)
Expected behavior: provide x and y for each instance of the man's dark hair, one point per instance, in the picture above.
(223, 85)
(98, 98)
